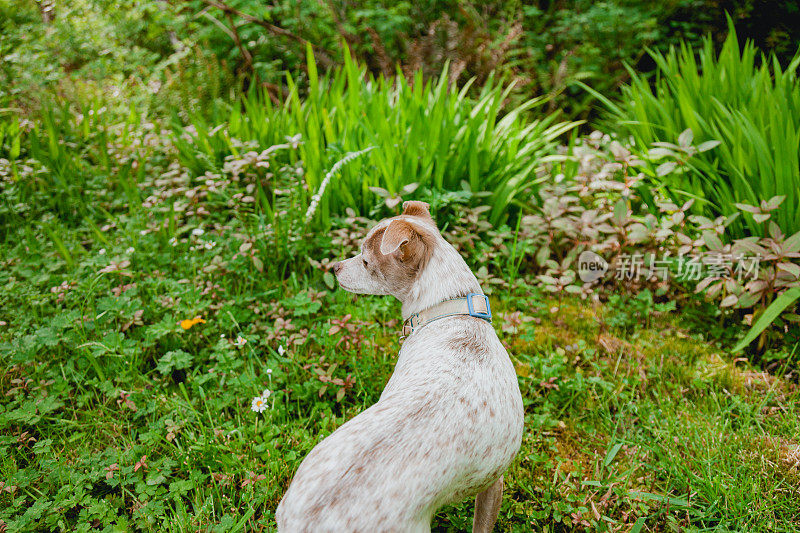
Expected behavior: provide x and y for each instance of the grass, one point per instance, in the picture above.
(658, 419)
(113, 415)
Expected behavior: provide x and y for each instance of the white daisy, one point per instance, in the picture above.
(197, 231)
(240, 341)
(269, 371)
(281, 350)
(265, 394)
(259, 404)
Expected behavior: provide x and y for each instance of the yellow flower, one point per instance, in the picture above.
(189, 322)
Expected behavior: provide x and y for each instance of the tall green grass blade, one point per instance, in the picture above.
(745, 101)
(768, 316)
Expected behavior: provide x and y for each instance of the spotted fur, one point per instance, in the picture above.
(449, 421)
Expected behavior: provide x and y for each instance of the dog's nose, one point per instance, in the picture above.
(337, 266)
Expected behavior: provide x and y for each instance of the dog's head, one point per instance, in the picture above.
(393, 255)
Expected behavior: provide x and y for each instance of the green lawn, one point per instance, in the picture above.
(115, 417)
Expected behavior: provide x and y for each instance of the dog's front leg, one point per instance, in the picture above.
(487, 507)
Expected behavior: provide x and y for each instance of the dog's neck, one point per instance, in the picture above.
(446, 276)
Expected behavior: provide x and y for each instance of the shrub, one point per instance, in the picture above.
(751, 106)
(599, 202)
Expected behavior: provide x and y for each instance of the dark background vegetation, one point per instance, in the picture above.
(215, 46)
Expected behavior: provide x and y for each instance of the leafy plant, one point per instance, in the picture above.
(769, 316)
(602, 202)
(423, 132)
(629, 312)
(738, 97)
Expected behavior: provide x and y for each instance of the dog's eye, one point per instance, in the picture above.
(365, 263)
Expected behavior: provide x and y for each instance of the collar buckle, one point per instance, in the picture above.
(477, 314)
(408, 326)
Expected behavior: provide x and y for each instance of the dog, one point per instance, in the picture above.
(450, 420)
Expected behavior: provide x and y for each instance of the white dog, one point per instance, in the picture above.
(449, 421)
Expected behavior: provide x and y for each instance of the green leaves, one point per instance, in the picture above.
(174, 360)
(301, 304)
(429, 133)
(744, 111)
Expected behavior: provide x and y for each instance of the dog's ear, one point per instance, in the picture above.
(417, 209)
(401, 235)
(396, 234)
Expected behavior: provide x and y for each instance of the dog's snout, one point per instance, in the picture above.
(337, 266)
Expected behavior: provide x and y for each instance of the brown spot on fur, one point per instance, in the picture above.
(379, 449)
(315, 510)
(419, 411)
(467, 344)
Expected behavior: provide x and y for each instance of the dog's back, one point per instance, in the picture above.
(448, 424)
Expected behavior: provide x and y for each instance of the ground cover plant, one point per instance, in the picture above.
(172, 343)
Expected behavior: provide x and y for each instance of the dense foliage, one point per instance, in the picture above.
(425, 134)
(746, 103)
(202, 48)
